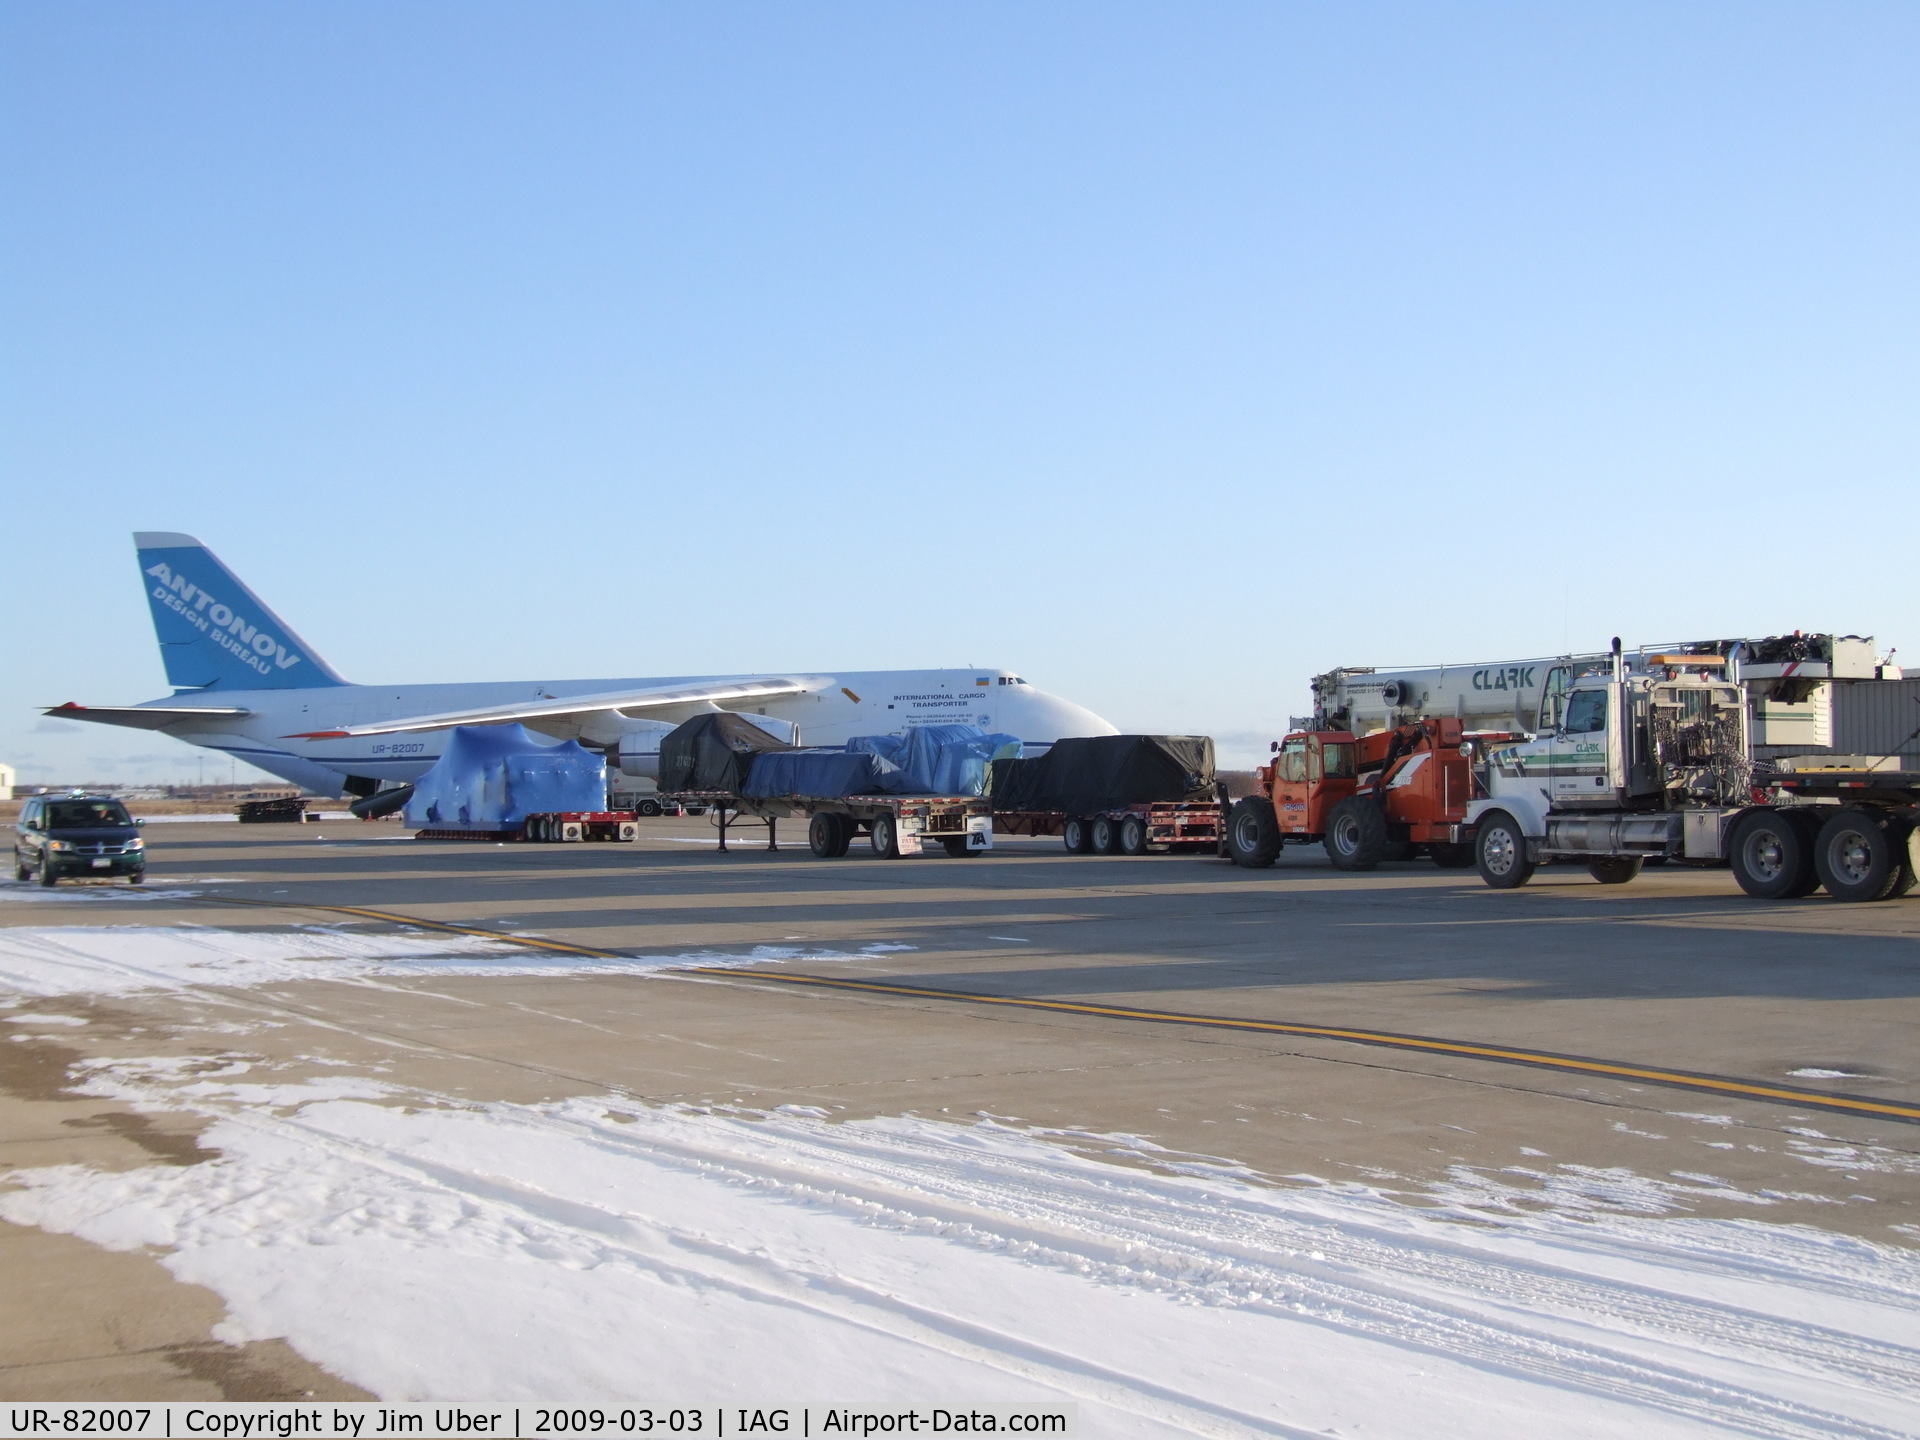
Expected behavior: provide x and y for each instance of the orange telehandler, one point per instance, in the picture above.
(1370, 798)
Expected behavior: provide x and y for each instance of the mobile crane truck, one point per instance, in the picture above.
(1656, 763)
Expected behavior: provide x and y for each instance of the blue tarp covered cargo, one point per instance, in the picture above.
(491, 777)
(929, 760)
(817, 774)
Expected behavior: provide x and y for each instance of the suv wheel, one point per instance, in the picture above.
(47, 874)
(20, 870)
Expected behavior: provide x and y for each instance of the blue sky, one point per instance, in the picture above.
(1164, 354)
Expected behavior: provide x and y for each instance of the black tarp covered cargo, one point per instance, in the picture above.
(819, 775)
(1105, 772)
(712, 752)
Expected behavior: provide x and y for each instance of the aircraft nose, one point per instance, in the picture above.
(1052, 718)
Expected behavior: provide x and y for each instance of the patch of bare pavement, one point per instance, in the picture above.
(1676, 972)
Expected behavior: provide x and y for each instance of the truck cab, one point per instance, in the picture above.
(1641, 765)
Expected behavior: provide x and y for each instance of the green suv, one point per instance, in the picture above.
(77, 835)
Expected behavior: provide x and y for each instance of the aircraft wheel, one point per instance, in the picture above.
(1133, 836)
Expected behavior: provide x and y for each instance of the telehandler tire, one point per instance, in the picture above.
(1614, 869)
(1356, 837)
(1500, 852)
(1253, 835)
(1771, 855)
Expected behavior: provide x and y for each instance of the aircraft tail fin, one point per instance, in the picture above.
(215, 633)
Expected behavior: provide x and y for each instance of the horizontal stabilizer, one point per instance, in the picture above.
(144, 717)
(749, 687)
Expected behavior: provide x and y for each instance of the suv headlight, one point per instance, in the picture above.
(58, 845)
(135, 844)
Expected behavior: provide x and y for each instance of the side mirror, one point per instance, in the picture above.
(139, 822)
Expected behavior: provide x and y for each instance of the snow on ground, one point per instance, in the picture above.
(121, 959)
(602, 1248)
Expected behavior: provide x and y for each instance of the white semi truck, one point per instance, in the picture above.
(1655, 762)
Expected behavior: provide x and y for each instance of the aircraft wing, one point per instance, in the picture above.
(142, 717)
(751, 687)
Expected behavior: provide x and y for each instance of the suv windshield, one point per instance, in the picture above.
(86, 814)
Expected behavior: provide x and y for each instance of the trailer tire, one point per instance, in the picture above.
(885, 835)
(1253, 834)
(1451, 857)
(827, 835)
(1855, 856)
(1077, 834)
(1615, 869)
(956, 846)
(1133, 836)
(1356, 837)
(1771, 855)
(1500, 852)
(1105, 832)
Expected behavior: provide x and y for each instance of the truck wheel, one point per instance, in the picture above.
(1854, 856)
(1133, 836)
(1614, 869)
(1771, 856)
(1078, 835)
(1106, 835)
(886, 837)
(1451, 857)
(649, 807)
(1356, 837)
(823, 835)
(1253, 835)
(1500, 851)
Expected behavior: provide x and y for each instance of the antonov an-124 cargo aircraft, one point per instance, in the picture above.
(246, 685)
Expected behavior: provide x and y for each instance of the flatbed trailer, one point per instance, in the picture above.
(895, 825)
(1851, 830)
(1163, 826)
(566, 826)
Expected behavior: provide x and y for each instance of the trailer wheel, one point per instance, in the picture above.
(1253, 835)
(956, 846)
(1771, 855)
(1077, 835)
(824, 835)
(1451, 857)
(1614, 869)
(1105, 831)
(1854, 856)
(1500, 851)
(885, 834)
(1356, 837)
(1133, 836)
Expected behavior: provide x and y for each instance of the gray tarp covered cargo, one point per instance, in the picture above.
(713, 753)
(1105, 772)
